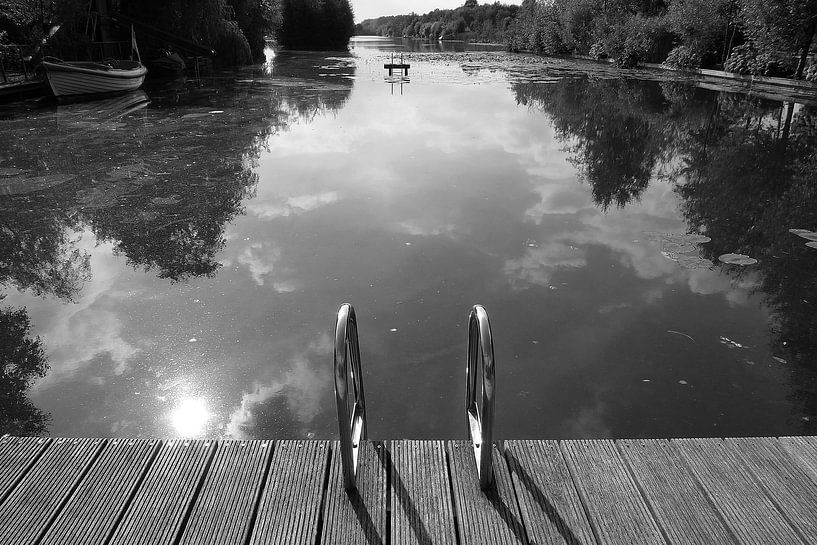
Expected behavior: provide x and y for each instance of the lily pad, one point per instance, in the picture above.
(804, 233)
(737, 259)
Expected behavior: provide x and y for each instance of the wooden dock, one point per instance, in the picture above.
(136, 491)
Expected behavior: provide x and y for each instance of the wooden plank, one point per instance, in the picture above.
(678, 503)
(224, 509)
(157, 512)
(357, 517)
(804, 449)
(93, 509)
(290, 505)
(614, 505)
(421, 503)
(17, 455)
(745, 509)
(784, 480)
(551, 509)
(37, 499)
(483, 517)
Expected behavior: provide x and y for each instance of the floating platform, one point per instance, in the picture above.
(391, 67)
(166, 492)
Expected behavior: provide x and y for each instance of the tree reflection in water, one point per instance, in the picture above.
(743, 166)
(160, 184)
(22, 360)
(608, 127)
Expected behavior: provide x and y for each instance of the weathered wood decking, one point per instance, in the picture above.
(123, 491)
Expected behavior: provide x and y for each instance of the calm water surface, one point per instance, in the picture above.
(181, 263)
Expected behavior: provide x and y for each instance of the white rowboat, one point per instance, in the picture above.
(83, 78)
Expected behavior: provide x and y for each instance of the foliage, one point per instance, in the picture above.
(811, 73)
(746, 59)
(779, 30)
(22, 359)
(211, 23)
(577, 23)
(598, 52)
(699, 25)
(474, 21)
(683, 56)
(256, 19)
(316, 24)
(636, 39)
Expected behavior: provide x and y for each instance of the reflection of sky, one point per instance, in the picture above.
(415, 207)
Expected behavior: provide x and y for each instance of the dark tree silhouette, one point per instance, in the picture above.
(22, 360)
(316, 24)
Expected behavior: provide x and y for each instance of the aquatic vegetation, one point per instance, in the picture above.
(737, 259)
(804, 233)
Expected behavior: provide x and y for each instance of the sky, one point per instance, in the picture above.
(369, 9)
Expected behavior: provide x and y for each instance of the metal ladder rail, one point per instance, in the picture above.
(480, 414)
(352, 426)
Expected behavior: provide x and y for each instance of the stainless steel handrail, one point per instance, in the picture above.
(352, 427)
(481, 415)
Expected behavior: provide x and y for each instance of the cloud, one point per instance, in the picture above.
(293, 206)
(262, 260)
(75, 334)
(538, 264)
(302, 384)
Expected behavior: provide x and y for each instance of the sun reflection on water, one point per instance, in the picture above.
(190, 417)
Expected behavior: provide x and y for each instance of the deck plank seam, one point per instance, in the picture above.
(766, 492)
(639, 487)
(700, 485)
(182, 525)
(31, 463)
(250, 526)
(582, 496)
(386, 459)
(451, 495)
(70, 493)
(157, 447)
(327, 470)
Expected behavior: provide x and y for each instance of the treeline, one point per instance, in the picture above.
(486, 23)
(316, 24)
(235, 29)
(762, 37)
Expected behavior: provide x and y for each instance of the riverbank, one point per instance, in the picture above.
(769, 87)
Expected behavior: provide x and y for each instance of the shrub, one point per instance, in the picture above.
(811, 73)
(636, 39)
(745, 59)
(598, 52)
(683, 56)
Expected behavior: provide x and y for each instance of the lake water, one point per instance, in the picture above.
(181, 263)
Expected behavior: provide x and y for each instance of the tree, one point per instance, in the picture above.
(316, 24)
(22, 360)
(778, 28)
